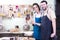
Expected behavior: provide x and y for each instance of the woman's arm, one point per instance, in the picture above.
(39, 24)
(36, 23)
(33, 21)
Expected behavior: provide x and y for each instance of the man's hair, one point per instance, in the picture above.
(44, 1)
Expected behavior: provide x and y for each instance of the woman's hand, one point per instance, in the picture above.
(33, 22)
(38, 24)
(53, 34)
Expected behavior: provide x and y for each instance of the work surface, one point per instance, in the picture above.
(11, 34)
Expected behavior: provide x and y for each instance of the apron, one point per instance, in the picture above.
(37, 29)
(46, 28)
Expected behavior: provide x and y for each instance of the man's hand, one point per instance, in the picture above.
(52, 35)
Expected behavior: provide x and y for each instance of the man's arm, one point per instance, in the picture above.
(54, 27)
(53, 19)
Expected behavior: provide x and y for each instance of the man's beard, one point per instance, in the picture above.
(44, 9)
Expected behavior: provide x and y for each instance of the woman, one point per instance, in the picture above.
(36, 22)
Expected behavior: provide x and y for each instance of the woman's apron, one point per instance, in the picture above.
(37, 29)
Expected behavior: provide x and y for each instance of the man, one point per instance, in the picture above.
(48, 22)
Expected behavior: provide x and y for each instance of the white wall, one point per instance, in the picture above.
(16, 2)
(51, 3)
(10, 23)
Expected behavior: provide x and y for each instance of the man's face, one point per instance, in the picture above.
(43, 5)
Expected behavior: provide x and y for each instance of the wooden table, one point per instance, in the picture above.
(13, 34)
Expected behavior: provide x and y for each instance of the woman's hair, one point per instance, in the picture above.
(37, 5)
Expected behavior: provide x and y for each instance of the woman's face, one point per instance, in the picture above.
(35, 8)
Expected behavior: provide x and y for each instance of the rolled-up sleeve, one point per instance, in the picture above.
(52, 14)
